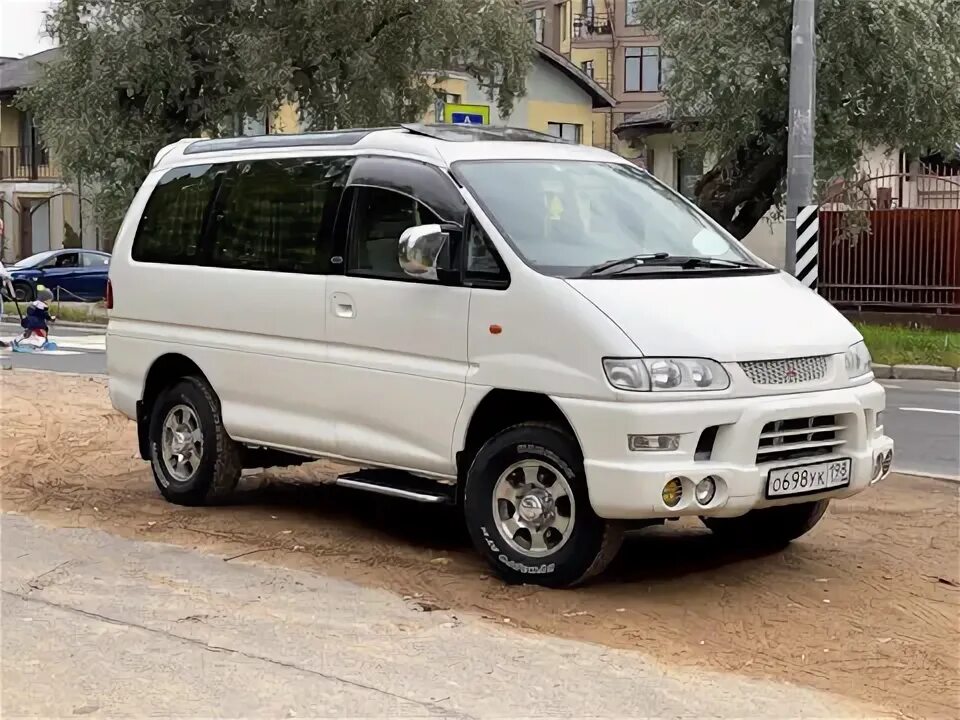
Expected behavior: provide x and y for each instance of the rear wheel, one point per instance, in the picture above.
(194, 460)
(528, 511)
(770, 527)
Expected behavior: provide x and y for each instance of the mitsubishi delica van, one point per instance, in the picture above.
(539, 333)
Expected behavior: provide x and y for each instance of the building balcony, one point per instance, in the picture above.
(26, 163)
(592, 27)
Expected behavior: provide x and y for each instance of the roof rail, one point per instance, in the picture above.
(479, 133)
(254, 142)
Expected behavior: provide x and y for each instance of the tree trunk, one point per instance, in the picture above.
(739, 190)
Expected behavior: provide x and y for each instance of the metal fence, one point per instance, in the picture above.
(892, 243)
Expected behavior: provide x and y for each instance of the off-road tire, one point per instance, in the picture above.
(221, 461)
(593, 542)
(769, 527)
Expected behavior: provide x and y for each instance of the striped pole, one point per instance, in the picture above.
(808, 246)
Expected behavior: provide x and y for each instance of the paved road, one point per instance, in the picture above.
(923, 417)
(80, 350)
(97, 625)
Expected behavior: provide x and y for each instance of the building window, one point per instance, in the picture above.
(566, 131)
(538, 24)
(587, 67)
(633, 12)
(689, 172)
(644, 69)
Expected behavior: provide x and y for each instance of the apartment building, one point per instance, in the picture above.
(604, 39)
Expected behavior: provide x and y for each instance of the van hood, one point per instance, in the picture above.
(727, 318)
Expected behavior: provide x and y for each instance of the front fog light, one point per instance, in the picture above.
(705, 490)
(672, 492)
(653, 443)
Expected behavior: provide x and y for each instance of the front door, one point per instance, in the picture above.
(62, 275)
(397, 346)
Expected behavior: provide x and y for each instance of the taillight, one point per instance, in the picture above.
(109, 295)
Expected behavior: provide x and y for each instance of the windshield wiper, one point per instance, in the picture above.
(690, 263)
(631, 262)
(662, 259)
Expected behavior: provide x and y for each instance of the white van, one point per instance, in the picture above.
(538, 332)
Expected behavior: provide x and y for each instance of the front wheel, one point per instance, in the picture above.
(194, 460)
(770, 527)
(528, 511)
(24, 292)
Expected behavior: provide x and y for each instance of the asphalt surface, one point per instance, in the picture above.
(922, 416)
(102, 626)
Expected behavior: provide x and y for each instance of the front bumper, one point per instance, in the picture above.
(628, 485)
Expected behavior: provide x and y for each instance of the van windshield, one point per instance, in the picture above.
(566, 217)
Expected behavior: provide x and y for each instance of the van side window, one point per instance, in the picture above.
(483, 264)
(380, 217)
(172, 223)
(278, 215)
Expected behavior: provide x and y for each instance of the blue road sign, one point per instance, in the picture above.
(460, 118)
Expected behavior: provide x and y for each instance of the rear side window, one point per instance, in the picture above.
(278, 215)
(172, 225)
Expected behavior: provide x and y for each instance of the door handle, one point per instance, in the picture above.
(342, 305)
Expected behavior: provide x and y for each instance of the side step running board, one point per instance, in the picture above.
(399, 484)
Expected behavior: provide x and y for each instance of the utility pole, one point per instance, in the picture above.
(803, 92)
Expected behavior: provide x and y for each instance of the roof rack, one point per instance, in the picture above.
(479, 133)
(254, 142)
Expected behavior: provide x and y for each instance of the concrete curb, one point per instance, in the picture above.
(955, 479)
(916, 372)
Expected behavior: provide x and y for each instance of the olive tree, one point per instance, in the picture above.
(888, 74)
(134, 76)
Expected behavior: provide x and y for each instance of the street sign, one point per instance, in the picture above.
(466, 114)
(467, 119)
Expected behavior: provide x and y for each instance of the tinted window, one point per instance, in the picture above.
(278, 215)
(172, 223)
(380, 217)
(95, 261)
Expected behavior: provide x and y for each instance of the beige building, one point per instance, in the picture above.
(603, 38)
(39, 211)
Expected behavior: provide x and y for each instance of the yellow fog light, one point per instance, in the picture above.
(672, 492)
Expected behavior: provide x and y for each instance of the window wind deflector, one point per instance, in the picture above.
(478, 133)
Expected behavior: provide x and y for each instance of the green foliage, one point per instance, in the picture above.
(888, 75)
(135, 76)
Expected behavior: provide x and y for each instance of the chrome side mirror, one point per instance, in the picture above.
(419, 250)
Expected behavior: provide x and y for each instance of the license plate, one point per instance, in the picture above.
(808, 479)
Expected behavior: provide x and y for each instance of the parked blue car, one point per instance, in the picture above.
(78, 274)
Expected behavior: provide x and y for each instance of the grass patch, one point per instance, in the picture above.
(74, 312)
(892, 345)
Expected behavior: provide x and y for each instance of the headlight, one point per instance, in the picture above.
(857, 360)
(665, 374)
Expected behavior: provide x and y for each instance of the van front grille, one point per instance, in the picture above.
(799, 438)
(786, 372)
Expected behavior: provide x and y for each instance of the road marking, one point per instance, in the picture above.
(953, 390)
(892, 386)
(930, 410)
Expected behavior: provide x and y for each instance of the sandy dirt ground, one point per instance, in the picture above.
(867, 605)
